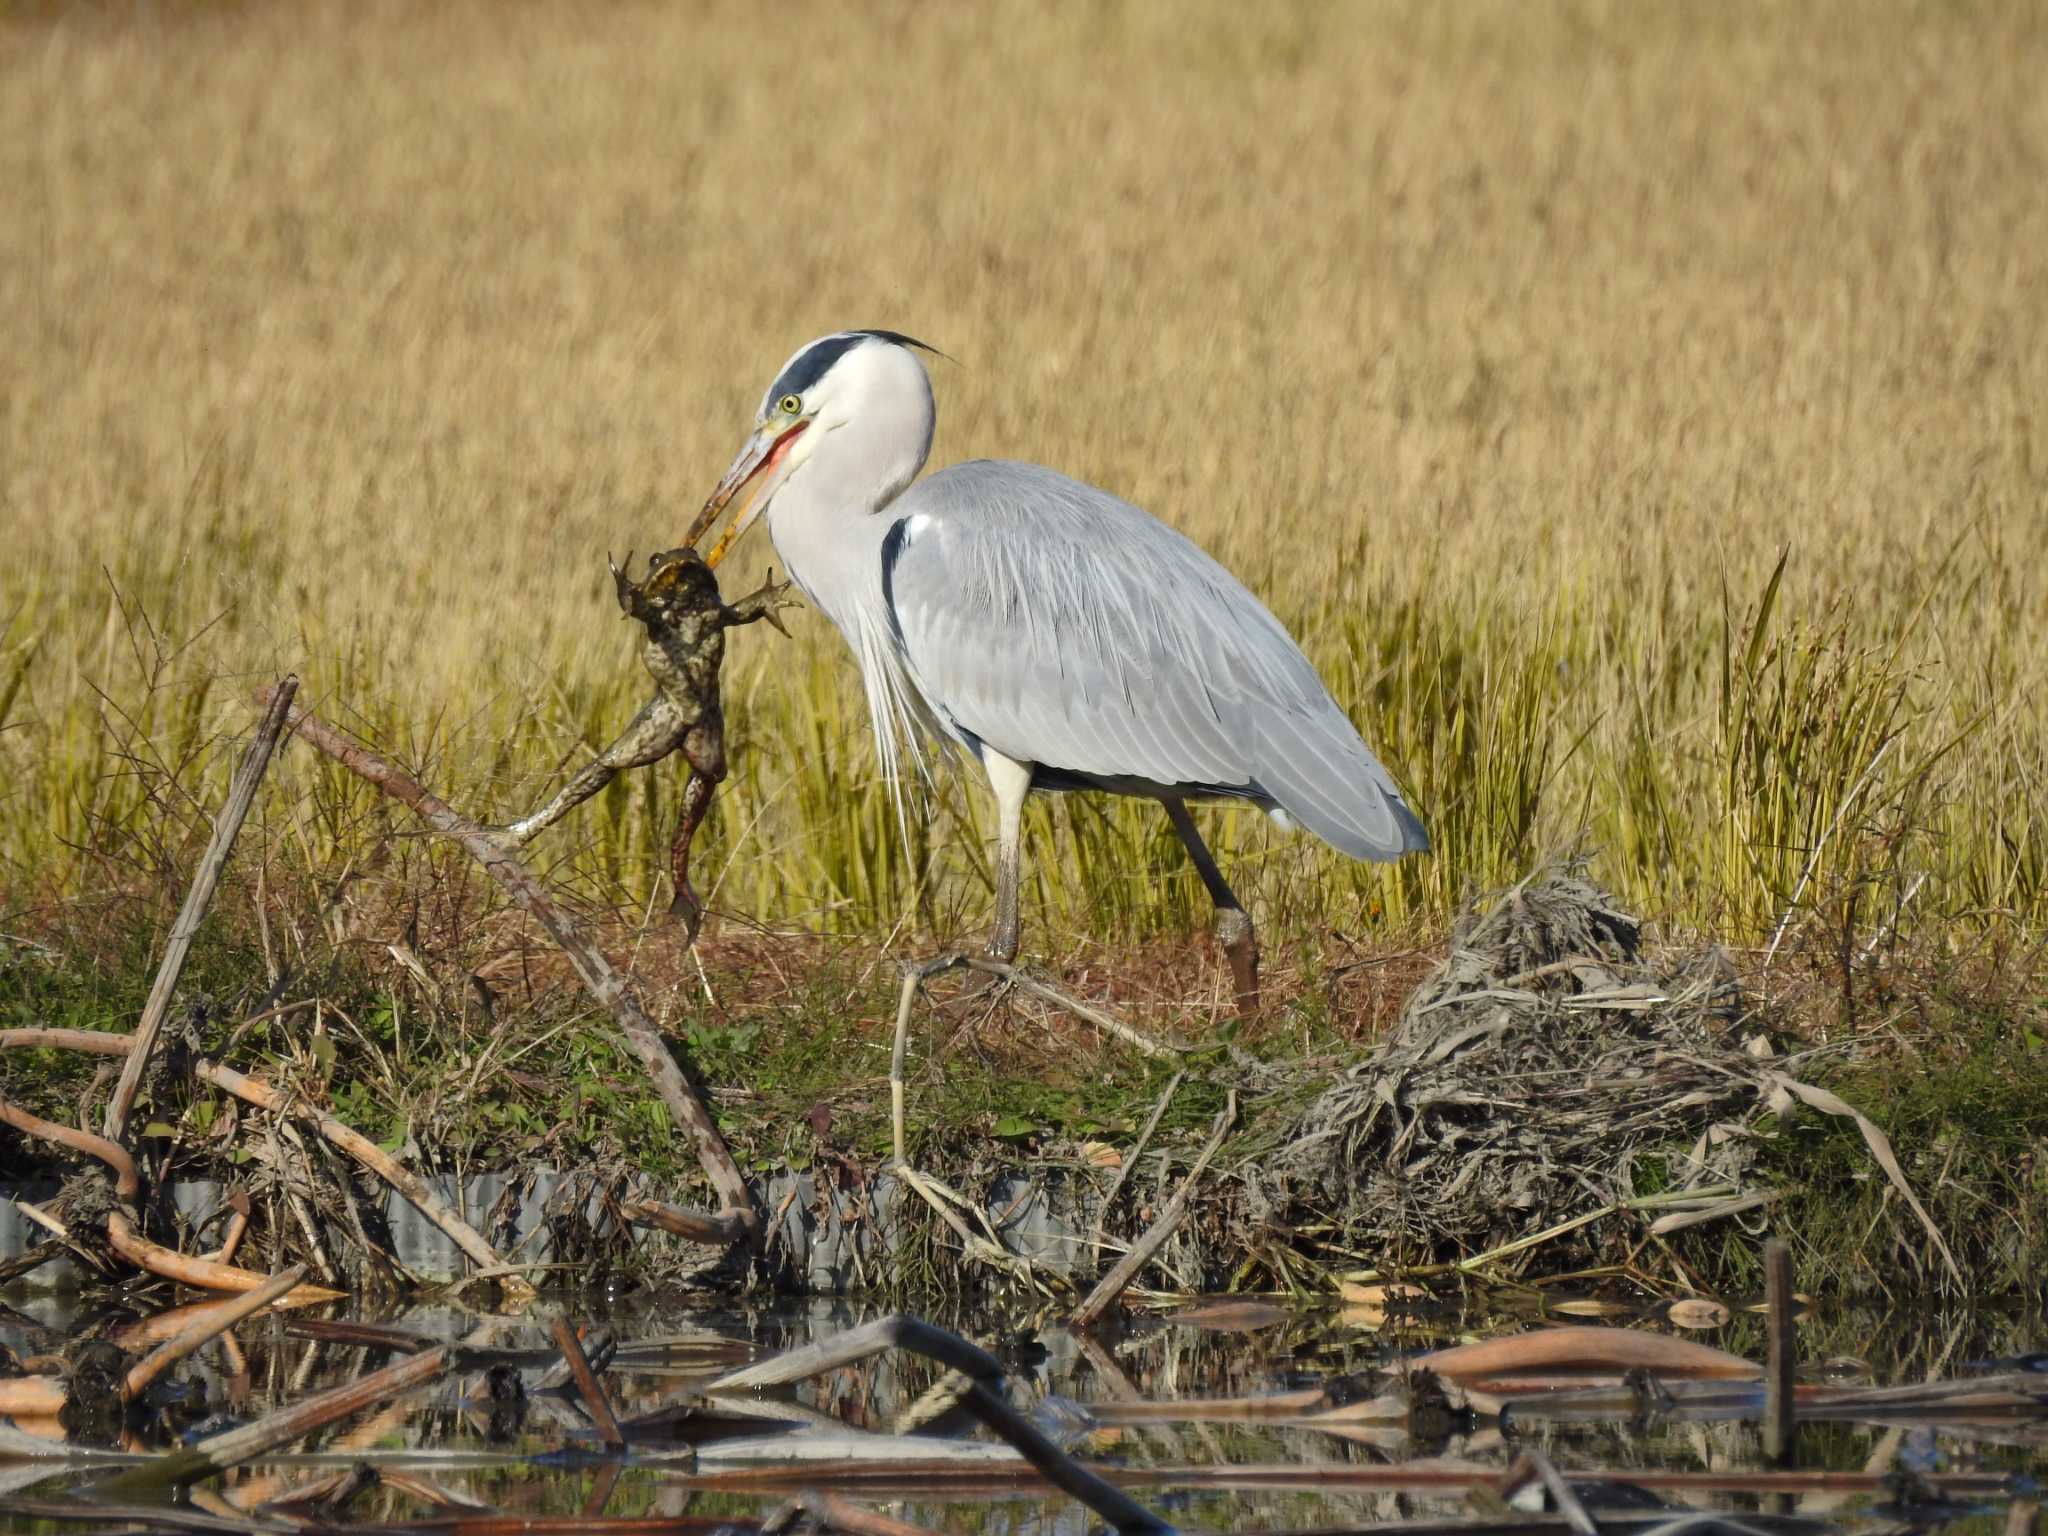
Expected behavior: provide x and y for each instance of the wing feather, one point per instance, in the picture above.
(1067, 628)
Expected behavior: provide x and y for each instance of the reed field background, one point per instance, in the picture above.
(1635, 410)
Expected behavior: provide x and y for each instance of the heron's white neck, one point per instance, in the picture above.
(829, 517)
(828, 522)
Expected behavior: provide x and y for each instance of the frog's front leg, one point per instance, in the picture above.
(704, 745)
(655, 732)
(762, 605)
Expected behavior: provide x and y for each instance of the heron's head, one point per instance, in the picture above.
(855, 405)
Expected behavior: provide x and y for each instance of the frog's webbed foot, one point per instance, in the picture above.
(624, 585)
(763, 604)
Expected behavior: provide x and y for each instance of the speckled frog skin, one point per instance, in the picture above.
(686, 621)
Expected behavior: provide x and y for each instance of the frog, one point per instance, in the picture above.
(685, 618)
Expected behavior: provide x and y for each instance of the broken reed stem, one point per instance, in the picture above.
(1123, 1170)
(205, 879)
(218, 1452)
(1112, 1284)
(587, 1384)
(1784, 1352)
(595, 971)
(205, 1328)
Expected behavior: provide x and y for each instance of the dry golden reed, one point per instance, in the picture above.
(1505, 349)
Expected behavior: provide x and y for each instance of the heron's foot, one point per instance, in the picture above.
(1240, 942)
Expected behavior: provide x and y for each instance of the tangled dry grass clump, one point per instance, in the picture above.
(1530, 1074)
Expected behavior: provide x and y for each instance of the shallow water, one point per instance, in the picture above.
(545, 1461)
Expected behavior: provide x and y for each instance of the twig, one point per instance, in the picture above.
(1107, 1023)
(587, 1384)
(365, 1151)
(34, 1259)
(241, 795)
(212, 1325)
(1124, 1167)
(1126, 1269)
(218, 1452)
(604, 983)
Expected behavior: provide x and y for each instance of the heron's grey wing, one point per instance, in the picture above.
(1067, 628)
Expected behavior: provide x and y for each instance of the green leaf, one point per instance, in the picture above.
(159, 1128)
(1013, 1126)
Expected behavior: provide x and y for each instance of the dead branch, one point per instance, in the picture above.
(695, 1225)
(127, 1182)
(604, 983)
(202, 1274)
(241, 795)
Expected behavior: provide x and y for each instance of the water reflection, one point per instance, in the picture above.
(500, 1434)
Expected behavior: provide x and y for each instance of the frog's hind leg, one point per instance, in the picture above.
(705, 748)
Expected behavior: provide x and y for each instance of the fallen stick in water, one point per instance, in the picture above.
(201, 1329)
(205, 879)
(984, 1372)
(1584, 1349)
(604, 983)
(219, 1452)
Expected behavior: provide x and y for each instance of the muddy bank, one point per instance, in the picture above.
(1559, 1093)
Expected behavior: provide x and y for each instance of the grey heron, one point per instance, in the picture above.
(1064, 638)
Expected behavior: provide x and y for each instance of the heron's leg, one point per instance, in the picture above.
(1234, 929)
(1011, 781)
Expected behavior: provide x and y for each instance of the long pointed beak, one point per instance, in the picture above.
(756, 464)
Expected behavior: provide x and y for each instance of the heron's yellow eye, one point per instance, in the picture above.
(791, 405)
